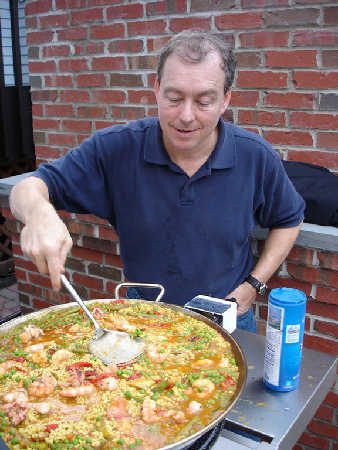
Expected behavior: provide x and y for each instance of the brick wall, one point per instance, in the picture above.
(92, 64)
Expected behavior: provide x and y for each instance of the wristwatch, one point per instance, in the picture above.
(260, 287)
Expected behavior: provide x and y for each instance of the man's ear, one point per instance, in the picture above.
(227, 98)
(156, 85)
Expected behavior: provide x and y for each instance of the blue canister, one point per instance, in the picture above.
(284, 339)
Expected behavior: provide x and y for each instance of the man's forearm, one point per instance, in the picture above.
(28, 197)
(277, 246)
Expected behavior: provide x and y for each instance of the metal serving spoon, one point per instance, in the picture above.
(110, 346)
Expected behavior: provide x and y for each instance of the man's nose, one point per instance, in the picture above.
(187, 112)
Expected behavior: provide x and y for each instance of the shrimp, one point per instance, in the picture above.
(61, 355)
(42, 387)
(203, 387)
(19, 396)
(41, 407)
(98, 313)
(107, 384)
(120, 323)
(194, 407)
(203, 364)
(39, 357)
(111, 368)
(149, 411)
(11, 364)
(154, 355)
(34, 348)
(79, 391)
(30, 332)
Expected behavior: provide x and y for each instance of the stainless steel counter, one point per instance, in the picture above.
(275, 419)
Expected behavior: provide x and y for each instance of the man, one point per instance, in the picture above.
(183, 191)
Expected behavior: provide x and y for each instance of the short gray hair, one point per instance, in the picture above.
(193, 46)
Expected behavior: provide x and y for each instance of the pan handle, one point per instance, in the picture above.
(143, 285)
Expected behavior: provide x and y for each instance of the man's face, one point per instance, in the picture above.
(190, 102)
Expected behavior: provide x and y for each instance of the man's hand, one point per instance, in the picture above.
(44, 238)
(47, 245)
(245, 295)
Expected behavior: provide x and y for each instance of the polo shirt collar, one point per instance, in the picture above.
(223, 156)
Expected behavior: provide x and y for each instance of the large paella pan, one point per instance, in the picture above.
(56, 395)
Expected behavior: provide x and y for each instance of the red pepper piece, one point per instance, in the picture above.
(134, 376)
(18, 358)
(78, 365)
(102, 376)
(119, 300)
(170, 386)
(51, 426)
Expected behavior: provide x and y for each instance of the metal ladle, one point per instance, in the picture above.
(110, 346)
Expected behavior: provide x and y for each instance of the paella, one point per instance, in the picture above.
(55, 395)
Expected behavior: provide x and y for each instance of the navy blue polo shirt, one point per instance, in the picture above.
(190, 234)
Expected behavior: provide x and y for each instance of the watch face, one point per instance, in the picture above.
(262, 289)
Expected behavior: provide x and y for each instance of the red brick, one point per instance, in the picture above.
(37, 110)
(315, 80)
(331, 16)
(91, 80)
(73, 65)
(315, 38)
(324, 413)
(40, 280)
(87, 48)
(102, 2)
(88, 255)
(291, 16)
(165, 7)
(125, 12)
(310, 274)
(47, 152)
(55, 50)
(244, 98)
(72, 34)
(328, 260)
(142, 62)
(249, 59)
(101, 124)
(109, 63)
(331, 399)
(257, 79)
(128, 113)
(114, 260)
(38, 7)
(54, 21)
(294, 58)
(90, 218)
(46, 124)
(70, 4)
(87, 15)
(330, 58)
(276, 282)
(314, 441)
(126, 79)
(299, 119)
(59, 81)
(265, 39)
(59, 110)
(267, 118)
(74, 96)
(143, 97)
(239, 21)
(327, 140)
(290, 100)
(322, 309)
(323, 429)
(180, 24)
(30, 289)
(328, 328)
(44, 95)
(20, 262)
(93, 295)
(302, 255)
(327, 295)
(42, 66)
(91, 111)
(325, 159)
(114, 30)
(39, 37)
(82, 137)
(31, 23)
(85, 280)
(146, 28)
(108, 233)
(109, 96)
(79, 126)
(288, 137)
(62, 139)
(126, 46)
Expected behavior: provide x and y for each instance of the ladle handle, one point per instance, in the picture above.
(76, 297)
(143, 285)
